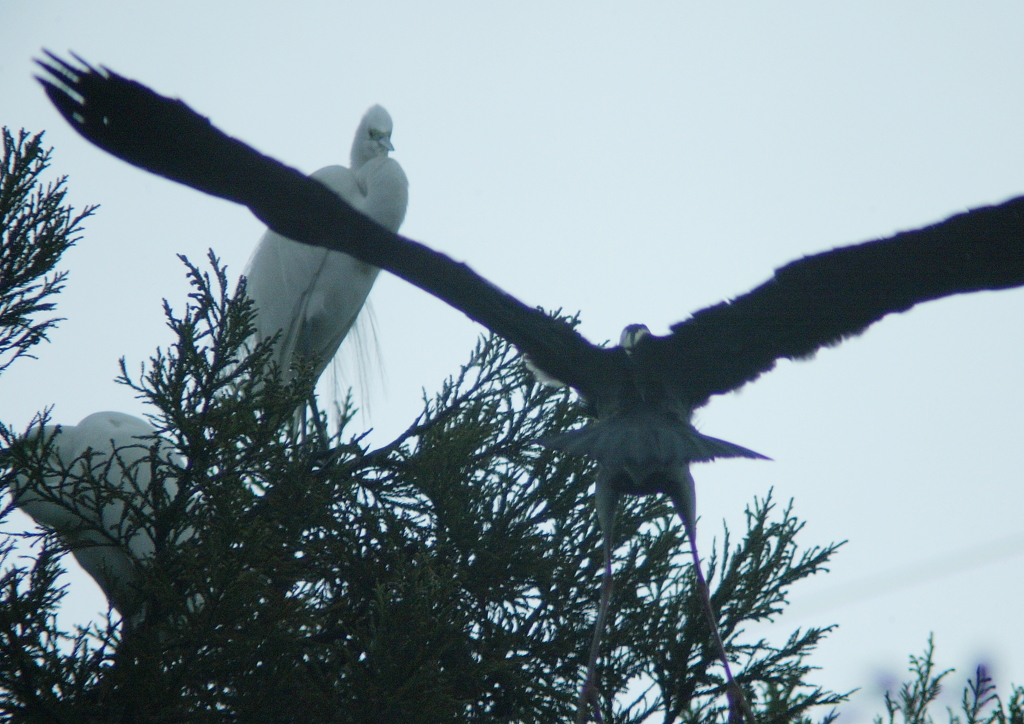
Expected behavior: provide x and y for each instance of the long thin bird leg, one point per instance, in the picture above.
(684, 497)
(736, 698)
(589, 693)
(300, 419)
(321, 425)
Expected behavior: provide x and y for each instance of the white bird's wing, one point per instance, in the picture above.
(381, 192)
(280, 277)
(338, 290)
(111, 566)
(332, 304)
(310, 294)
(60, 517)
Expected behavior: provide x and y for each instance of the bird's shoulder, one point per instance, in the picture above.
(340, 180)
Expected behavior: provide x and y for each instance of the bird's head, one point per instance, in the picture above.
(373, 137)
(632, 335)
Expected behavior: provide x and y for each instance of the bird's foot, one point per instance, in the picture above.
(739, 709)
(589, 703)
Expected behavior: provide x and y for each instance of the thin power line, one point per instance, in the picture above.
(911, 574)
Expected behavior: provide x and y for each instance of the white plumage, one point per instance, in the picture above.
(107, 541)
(313, 295)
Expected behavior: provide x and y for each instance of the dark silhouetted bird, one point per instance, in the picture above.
(644, 391)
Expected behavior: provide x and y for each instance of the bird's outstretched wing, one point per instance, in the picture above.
(822, 299)
(166, 137)
(810, 303)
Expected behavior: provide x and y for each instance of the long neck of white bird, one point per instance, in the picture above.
(364, 148)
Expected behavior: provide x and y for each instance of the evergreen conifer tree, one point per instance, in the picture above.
(451, 575)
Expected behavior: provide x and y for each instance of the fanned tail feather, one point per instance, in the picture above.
(643, 441)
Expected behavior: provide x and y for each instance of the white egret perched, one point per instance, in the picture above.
(645, 390)
(313, 295)
(108, 540)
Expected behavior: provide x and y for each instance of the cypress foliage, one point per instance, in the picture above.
(979, 704)
(451, 575)
(36, 228)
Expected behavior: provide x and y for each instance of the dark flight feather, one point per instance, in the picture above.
(822, 299)
(809, 303)
(166, 137)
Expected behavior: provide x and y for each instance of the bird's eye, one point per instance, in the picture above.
(375, 134)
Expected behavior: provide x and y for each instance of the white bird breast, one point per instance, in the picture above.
(313, 295)
(385, 191)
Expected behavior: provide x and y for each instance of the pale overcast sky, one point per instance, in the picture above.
(635, 162)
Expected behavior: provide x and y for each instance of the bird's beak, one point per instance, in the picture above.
(386, 143)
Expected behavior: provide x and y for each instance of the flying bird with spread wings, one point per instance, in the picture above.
(644, 391)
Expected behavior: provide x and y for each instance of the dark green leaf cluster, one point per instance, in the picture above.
(36, 228)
